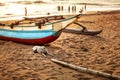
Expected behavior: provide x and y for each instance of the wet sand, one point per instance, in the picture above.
(101, 52)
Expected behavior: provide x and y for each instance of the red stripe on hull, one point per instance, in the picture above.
(31, 41)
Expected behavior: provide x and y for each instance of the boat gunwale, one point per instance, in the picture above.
(62, 20)
(49, 23)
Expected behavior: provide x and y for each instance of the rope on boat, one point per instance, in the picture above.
(39, 21)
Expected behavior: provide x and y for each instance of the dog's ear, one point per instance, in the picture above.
(34, 49)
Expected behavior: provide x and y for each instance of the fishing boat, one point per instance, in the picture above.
(31, 31)
(40, 30)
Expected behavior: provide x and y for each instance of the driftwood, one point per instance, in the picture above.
(86, 70)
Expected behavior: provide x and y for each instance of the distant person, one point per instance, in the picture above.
(68, 8)
(81, 10)
(58, 8)
(75, 8)
(72, 8)
(61, 8)
(85, 7)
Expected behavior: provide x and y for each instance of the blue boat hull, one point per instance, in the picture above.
(30, 37)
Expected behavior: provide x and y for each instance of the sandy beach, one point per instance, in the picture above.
(101, 53)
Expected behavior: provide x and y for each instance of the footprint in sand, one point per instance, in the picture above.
(52, 78)
(81, 77)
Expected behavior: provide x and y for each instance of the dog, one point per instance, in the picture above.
(41, 50)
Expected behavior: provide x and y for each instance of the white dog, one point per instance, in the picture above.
(40, 49)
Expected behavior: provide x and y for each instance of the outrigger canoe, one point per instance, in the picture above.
(35, 33)
(41, 30)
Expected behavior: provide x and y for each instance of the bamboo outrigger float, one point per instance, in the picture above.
(83, 31)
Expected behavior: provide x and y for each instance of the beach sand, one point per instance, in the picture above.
(101, 52)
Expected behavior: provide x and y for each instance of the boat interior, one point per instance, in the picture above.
(54, 23)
